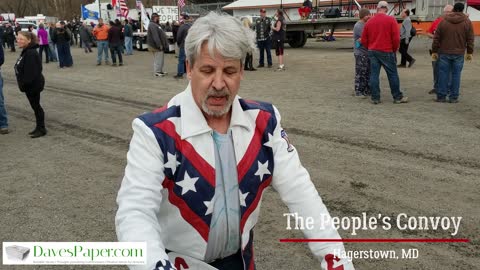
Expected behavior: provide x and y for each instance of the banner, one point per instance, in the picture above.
(89, 14)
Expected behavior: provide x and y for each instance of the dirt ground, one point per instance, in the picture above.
(420, 158)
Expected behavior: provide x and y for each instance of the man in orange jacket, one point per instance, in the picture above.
(101, 34)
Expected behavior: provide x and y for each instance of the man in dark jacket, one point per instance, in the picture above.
(10, 37)
(263, 28)
(61, 37)
(115, 43)
(453, 36)
(157, 44)
(181, 35)
(128, 34)
(85, 37)
(3, 112)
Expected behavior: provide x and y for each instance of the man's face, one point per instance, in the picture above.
(215, 82)
(156, 19)
(404, 14)
(100, 21)
(263, 14)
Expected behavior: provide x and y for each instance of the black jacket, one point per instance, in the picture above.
(28, 70)
(61, 36)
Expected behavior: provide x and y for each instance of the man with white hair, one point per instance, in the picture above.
(197, 168)
(381, 37)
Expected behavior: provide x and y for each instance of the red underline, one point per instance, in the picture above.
(380, 240)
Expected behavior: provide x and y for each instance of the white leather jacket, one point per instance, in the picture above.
(175, 144)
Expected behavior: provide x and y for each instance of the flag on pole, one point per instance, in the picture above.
(123, 8)
(181, 3)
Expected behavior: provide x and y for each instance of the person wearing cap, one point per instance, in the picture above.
(198, 167)
(263, 28)
(181, 36)
(430, 33)
(101, 34)
(381, 37)
(157, 44)
(454, 36)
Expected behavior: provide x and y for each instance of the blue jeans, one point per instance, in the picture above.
(128, 45)
(3, 112)
(449, 65)
(389, 62)
(53, 52)
(64, 54)
(181, 61)
(102, 47)
(265, 45)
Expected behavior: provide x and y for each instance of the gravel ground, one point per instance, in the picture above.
(420, 158)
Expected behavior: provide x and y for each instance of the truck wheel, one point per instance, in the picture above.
(296, 39)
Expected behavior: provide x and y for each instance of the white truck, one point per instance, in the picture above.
(166, 14)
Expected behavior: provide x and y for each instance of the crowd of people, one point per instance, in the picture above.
(378, 38)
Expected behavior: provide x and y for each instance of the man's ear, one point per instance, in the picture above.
(189, 69)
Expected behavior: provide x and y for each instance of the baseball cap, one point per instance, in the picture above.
(262, 10)
(382, 4)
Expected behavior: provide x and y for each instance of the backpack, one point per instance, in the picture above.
(413, 32)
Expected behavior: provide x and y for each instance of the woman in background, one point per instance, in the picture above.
(28, 70)
(43, 42)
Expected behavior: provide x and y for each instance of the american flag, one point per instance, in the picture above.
(181, 3)
(123, 7)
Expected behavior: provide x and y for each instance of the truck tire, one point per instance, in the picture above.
(296, 39)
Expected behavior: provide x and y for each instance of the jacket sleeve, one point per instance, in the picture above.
(140, 196)
(470, 37)
(2, 56)
(436, 37)
(395, 35)
(297, 191)
(364, 36)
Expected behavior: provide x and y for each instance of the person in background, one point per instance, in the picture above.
(263, 28)
(405, 38)
(181, 36)
(305, 9)
(101, 34)
(362, 62)
(43, 42)
(197, 168)
(3, 111)
(454, 36)
(61, 37)
(249, 58)
(85, 37)
(279, 32)
(430, 33)
(381, 37)
(10, 37)
(28, 70)
(115, 43)
(18, 28)
(128, 34)
(157, 44)
(51, 45)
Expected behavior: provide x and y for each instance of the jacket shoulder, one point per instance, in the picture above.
(159, 115)
(256, 105)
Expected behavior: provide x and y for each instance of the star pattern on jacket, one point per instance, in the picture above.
(172, 162)
(262, 170)
(188, 183)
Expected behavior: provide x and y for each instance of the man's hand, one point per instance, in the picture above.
(406, 41)
(434, 56)
(469, 57)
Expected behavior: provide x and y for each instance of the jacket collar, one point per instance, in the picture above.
(194, 123)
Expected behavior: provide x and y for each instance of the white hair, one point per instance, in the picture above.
(223, 34)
